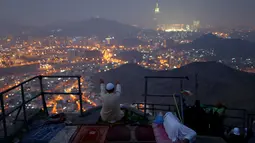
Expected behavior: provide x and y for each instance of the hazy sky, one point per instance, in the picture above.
(140, 12)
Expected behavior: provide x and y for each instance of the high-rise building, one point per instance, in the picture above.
(164, 44)
(156, 14)
(196, 25)
(108, 40)
(157, 8)
(188, 27)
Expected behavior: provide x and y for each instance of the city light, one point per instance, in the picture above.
(53, 55)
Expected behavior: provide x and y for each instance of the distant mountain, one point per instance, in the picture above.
(223, 48)
(91, 27)
(217, 82)
(130, 56)
(8, 27)
(250, 36)
(133, 42)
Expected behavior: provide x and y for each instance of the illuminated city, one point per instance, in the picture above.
(70, 55)
(87, 46)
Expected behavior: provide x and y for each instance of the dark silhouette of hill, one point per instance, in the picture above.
(132, 42)
(130, 56)
(217, 83)
(250, 36)
(8, 27)
(91, 27)
(223, 48)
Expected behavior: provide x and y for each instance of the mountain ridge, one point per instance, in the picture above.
(89, 27)
(223, 48)
(92, 27)
(224, 84)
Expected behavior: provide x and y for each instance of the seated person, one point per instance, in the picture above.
(111, 111)
(176, 131)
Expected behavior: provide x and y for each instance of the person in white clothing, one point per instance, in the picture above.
(110, 96)
(176, 131)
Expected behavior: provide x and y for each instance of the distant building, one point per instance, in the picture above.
(179, 27)
(157, 8)
(188, 27)
(172, 27)
(196, 25)
(156, 14)
(110, 40)
(165, 44)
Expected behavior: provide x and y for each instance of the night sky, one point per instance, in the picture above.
(139, 12)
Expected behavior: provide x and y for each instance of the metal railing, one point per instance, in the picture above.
(42, 93)
(156, 107)
(240, 114)
(242, 117)
(180, 97)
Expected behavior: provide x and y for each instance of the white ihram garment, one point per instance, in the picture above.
(177, 131)
(110, 104)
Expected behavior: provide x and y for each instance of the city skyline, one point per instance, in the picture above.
(218, 13)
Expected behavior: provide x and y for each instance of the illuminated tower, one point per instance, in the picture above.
(156, 14)
(157, 8)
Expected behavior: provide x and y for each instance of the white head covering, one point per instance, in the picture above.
(236, 131)
(109, 86)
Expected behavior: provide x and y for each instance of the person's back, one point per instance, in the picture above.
(110, 102)
(176, 131)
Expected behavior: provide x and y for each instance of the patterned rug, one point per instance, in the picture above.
(42, 134)
(90, 134)
(161, 135)
(64, 135)
(118, 133)
(144, 133)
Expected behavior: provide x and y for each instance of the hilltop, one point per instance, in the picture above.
(223, 48)
(217, 82)
(90, 27)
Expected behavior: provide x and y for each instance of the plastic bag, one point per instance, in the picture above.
(159, 118)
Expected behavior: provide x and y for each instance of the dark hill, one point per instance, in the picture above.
(250, 36)
(130, 56)
(217, 82)
(8, 27)
(92, 27)
(223, 48)
(132, 42)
